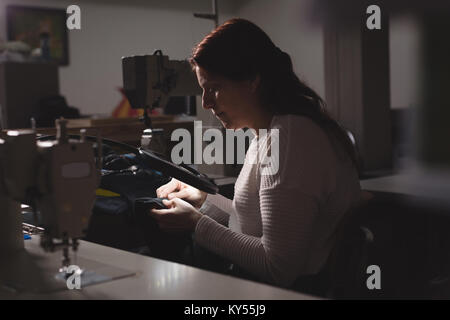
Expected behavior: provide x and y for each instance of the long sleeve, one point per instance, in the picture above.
(274, 257)
(218, 208)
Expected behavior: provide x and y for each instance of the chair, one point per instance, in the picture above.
(345, 270)
(406, 236)
(344, 274)
(359, 159)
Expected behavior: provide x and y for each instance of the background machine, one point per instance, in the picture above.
(149, 81)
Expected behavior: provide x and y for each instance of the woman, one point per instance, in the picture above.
(280, 225)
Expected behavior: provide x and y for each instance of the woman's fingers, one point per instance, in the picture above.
(161, 212)
(172, 185)
(177, 217)
(170, 213)
(182, 194)
(164, 214)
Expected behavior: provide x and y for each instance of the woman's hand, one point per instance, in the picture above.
(178, 189)
(179, 216)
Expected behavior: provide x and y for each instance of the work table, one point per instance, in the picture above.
(142, 278)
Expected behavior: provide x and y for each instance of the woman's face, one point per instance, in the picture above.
(232, 102)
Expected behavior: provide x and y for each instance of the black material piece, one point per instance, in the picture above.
(167, 246)
(150, 203)
(182, 172)
(114, 162)
(111, 205)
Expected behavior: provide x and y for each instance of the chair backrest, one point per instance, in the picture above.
(344, 274)
(359, 159)
(345, 270)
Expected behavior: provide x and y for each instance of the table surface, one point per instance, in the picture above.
(430, 183)
(150, 278)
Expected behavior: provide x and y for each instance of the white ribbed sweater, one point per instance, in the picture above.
(280, 225)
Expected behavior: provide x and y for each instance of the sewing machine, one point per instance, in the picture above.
(149, 81)
(58, 178)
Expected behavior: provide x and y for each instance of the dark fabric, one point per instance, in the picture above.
(111, 205)
(149, 203)
(124, 221)
(163, 245)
